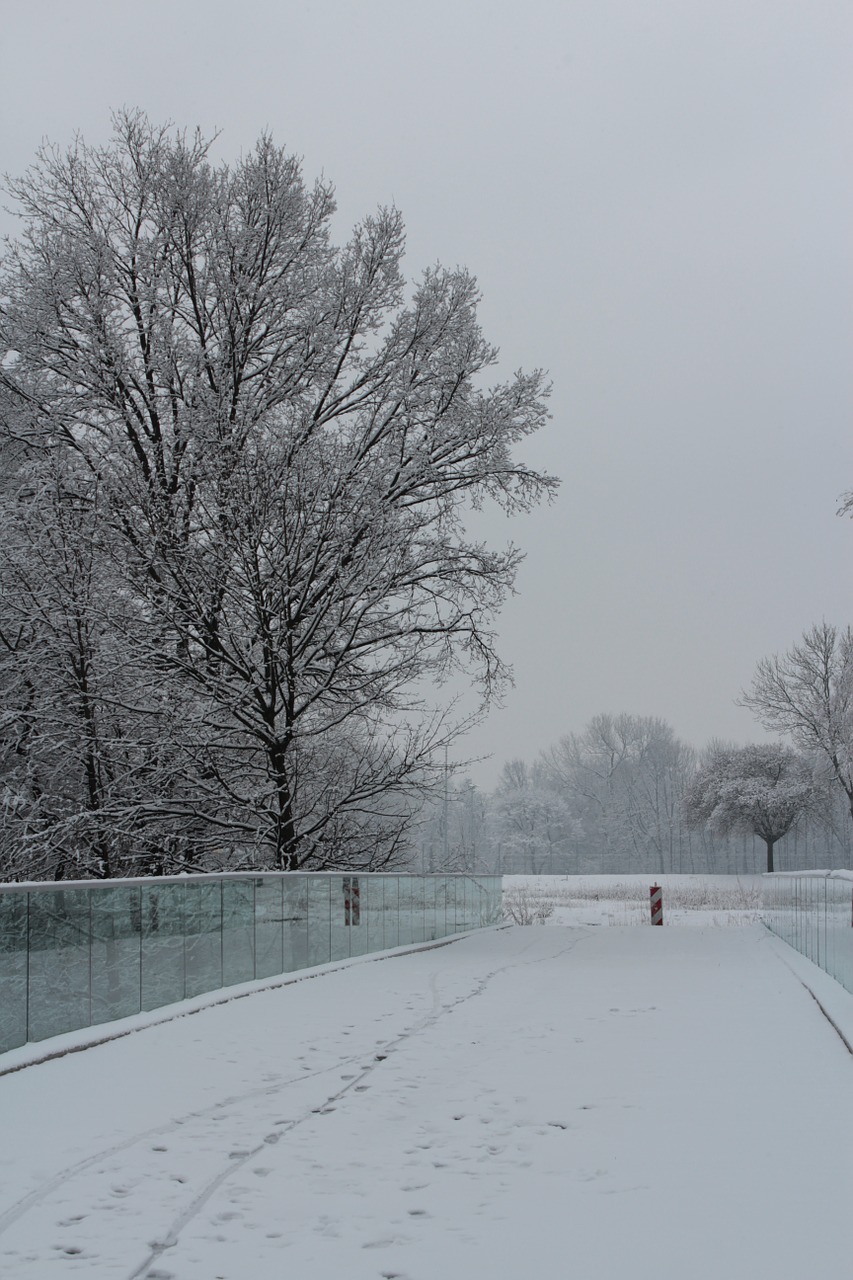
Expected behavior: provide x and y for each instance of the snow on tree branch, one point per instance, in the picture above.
(262, 444)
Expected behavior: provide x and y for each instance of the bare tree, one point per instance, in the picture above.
(761, 790)
(282, 444)
(807, 693)
(623, 777)
(531, 823)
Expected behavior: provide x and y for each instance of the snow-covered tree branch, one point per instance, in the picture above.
(807, 693)
(276, 441)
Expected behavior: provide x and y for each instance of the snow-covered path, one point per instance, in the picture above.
(581, 1102)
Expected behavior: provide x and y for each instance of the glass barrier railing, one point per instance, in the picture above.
(813, 912)
(88, 952)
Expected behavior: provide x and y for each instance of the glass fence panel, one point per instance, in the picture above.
(59, 993)
(441, 907)
(390, 912)
(412, 908)
(485, 912)
(79, 955)
(472, 902)
(320, 916)
(404, 911)
(421, 899)
(116, 953)
(478, 905)
(13, 969)
(430, 917)
(484, 900)
(840, 931)
(162, 950)
(451, 884)
(373, 914)
(454, 900)
(344, 907)
(813, 912)
(461, 905)
(203, 925)
(812, 921)
(495, 902)
(841, 959)
(238, 931)
(295, 923)
(844, 933)
(269, 926)
(830, 957)
(359, 926)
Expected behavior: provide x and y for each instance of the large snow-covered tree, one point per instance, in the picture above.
(276, 440)
(760, 789)
(807, 693)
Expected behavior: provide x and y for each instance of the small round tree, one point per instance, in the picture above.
(759, 790)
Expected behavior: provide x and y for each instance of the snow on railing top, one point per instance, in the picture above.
(207, 877)
(803, 875)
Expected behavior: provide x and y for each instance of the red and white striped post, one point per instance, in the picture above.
(656, 897)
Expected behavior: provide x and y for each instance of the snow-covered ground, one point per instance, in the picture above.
(723, 901)
(570, 1101)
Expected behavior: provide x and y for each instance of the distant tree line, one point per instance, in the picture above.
(625, 794)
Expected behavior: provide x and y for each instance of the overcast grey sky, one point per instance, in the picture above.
(657, 199)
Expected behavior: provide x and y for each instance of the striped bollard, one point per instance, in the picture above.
(656, 896)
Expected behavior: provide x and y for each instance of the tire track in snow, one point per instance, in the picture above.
(15, 1211)
(40, 1193)
(238, 1160)
(188, 1125)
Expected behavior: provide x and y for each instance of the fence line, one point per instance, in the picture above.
(82, 953)
(813, 912)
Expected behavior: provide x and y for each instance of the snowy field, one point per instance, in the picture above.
(722, 901)
(573, 1101)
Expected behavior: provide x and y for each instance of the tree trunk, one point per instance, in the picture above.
(770, 844)
(284, 835)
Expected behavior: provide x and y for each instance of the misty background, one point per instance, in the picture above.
(656, 199)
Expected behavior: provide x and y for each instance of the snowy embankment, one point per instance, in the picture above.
(573, 1100)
